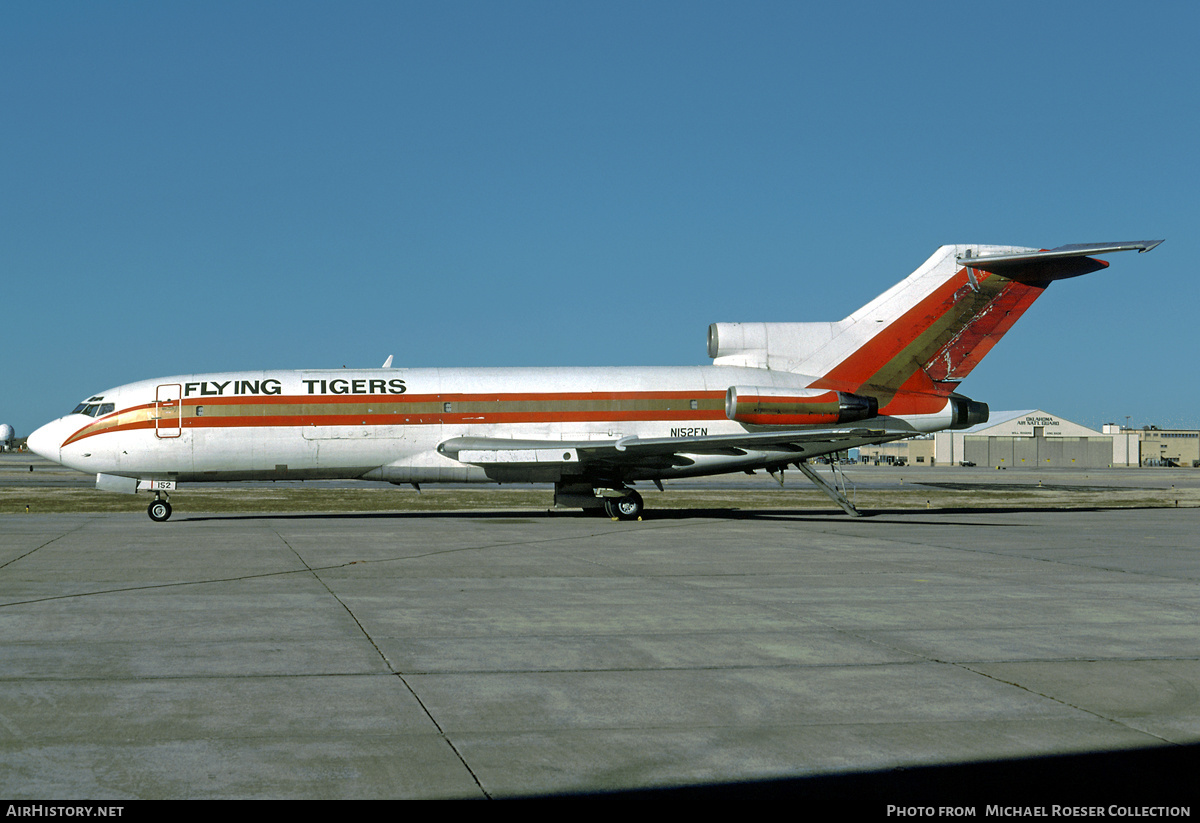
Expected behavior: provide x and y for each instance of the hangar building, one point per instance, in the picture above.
(1027, 439)
(1030, 438)
(1034, 438)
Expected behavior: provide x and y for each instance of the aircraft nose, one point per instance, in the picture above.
(45, 441)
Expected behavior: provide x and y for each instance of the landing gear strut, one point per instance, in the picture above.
(159, 509)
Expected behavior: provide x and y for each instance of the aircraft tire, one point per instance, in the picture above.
(159, 511)
(628, 507)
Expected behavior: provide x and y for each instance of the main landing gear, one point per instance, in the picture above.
(159, 509)
(616, 500)
(628, 506)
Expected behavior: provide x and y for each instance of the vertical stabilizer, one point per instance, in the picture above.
(923, 335)
(926, 333)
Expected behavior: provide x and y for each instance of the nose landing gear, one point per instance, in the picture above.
(159, 508)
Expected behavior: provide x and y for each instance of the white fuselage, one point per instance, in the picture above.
(386, 424)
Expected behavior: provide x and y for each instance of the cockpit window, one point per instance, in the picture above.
(92, 407)
(95, 409)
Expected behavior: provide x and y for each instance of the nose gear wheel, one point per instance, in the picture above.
(159, 511)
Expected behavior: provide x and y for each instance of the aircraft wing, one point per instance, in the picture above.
(638, 452)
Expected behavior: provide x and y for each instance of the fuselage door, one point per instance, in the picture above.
(168, 410)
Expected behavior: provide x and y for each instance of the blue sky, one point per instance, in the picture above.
(190, 187)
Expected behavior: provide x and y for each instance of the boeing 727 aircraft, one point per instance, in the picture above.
(776, 394)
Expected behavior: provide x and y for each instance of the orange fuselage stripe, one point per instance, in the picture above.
(417, 409)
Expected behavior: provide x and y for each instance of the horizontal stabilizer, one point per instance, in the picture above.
(1051, 264)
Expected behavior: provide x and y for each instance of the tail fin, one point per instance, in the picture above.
(926, 333)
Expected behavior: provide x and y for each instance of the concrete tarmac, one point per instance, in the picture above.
(514, 653)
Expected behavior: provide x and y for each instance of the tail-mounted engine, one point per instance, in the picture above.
(762, 406)
(967, 412)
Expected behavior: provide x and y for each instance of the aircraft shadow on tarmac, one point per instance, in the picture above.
(796, 515)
